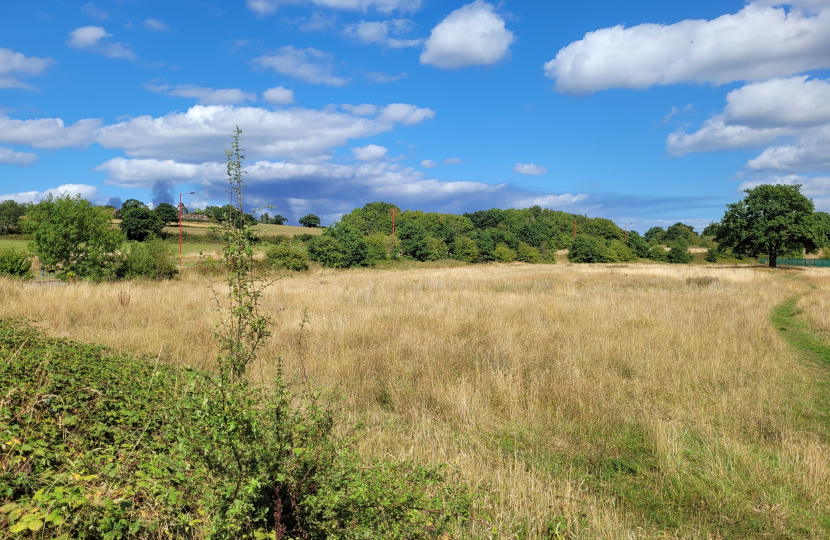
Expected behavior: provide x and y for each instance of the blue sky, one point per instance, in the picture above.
(647, 113)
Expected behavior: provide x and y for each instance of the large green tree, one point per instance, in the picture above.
(71, 235)
(771, 220)
(10, 214)
(310, 220)
(167, 212)
(138, 223)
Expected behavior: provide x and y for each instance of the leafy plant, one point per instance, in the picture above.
(71, 235)
(527, 253)
(679, 253)
(502, 253)
(657, 253)
(288, 257)
(152, 259)
(712, 255)
(15, 263)
(140, 223)
(309, 220)
(586, 249)
(465, 249)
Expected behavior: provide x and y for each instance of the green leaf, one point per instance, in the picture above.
(35, 525)
(18, 528)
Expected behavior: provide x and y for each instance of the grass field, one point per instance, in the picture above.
(583, 401)
(14, 244)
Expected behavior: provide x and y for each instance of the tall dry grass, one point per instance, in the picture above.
(621, 401)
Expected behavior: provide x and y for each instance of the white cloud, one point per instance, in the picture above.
(318, 22)
(715, 134)
(14, 64)
(452, 161)
(364, 109)
(94, 12)
(48, 132)
(21, 159)
(268, 7)
(529, 168)
(472, 35)
(790, 102)
(92, 39)
(758, 114)
(551, 201)
(674, 112)
(88, 192)
(205, 96)
(406, 114)
(810, 153)
(370, 152)
(279, 95)
(310, 65)
(757, 43)
(382, 78)
(428, 164)
(155, 25)
(381, 32)
(202, 132)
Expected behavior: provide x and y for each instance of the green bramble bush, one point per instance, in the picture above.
(15, 263)
(287, 257)
(679, 253)
(152, 259)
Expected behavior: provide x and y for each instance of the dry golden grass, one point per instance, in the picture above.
(536, 381)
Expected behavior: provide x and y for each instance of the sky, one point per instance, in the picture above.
(647, 113)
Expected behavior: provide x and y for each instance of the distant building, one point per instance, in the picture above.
(195, 217)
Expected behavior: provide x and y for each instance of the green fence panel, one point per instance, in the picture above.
(822, 263)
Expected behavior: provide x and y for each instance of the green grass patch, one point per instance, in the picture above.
(17, 245)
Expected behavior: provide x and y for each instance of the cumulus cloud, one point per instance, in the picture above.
(14, 64)
(48, 132)
(94, 39)
(759, 42)
(364, 109)
(472, 35)
(789, 102)
(88, 192)
(269, 7)
(428, 164)
(760, 113)
(309, 65)
(382, 32)
(371, 152)
(21, 159)
(155, 25)
(201, 132)
(279, 95)
(205, 96)
(529, 168)
(811, 152)
(452, 161)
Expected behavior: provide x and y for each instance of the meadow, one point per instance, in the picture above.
(582, 401)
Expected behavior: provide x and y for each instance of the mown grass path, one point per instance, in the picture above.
(797, 331)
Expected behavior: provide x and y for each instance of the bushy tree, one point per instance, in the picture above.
(10, 214)
(70, 235)
(309, 220)
(326, 251)
(288, 257)
(377, 246)
(167, 212)
(372, 218)
(679, 253)
(464, 249)
(654, 234)
(616, 251)
(585, 249)
(138, 223)
(657, 253)
(637, 244)
(712, 255)
(275, 220)
(352, 245)
(528, 254)
(771, 220)
(680, 232)
(127, 205)
(710, 230)
(503, 253)
(152, 259)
